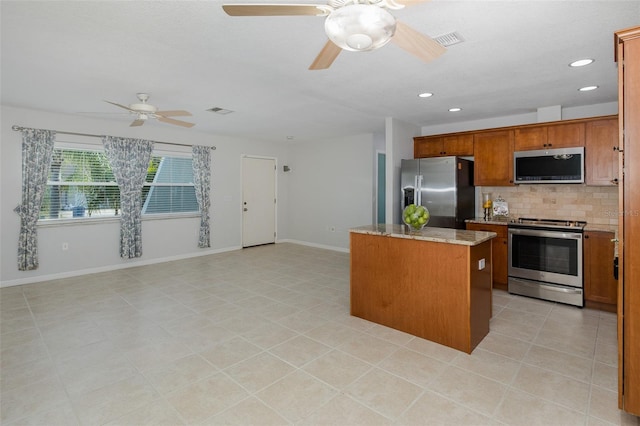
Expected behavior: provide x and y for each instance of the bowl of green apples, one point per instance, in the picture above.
(415, 217)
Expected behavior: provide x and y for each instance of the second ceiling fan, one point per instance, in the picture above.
(355, 25)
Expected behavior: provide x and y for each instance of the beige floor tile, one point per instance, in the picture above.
(524, 304)
(516, 330)
(554, 387)
(488, 364)
(258, 372)
(230, 352)
(338, 369)
(603, 405)
(343, 410)
(269, 334)
(504, 345)
(205, 398)
(33, 398)
(332, 334)
(201, 339)
(296, 395)
(156, 413)
(302, 321)
(114, 400)
(469, 389)
(390, 335)
(179, 373)
(251, 411)
(523, 409)
(433, 350)
(572, 343)
(62, 415)
(605, 376)
(574, 366)
(26, 374)
(21, 354)
(81, 376)
(413, 366)
(437, 410)
(368, 348)
(299, 350)
(157, 354)
(383, 392)
(606, 353)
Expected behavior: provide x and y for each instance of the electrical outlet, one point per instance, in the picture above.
(65, 246)
(481, 264)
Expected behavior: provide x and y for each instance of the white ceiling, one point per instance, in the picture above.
(68, 56)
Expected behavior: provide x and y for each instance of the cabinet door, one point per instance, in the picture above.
(599, 284)
(430, 146)
(565, 135)
(601, 162)
(528, 138)
(457, 145)
(493, 152)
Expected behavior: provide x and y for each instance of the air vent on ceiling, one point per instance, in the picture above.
(220, 111)
(449, 39)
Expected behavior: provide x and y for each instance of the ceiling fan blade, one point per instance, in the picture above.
(176, 113)
(327, 55)
(174, 121)
(417, 43)
(136, 123)
(118, 105)
(277, 9)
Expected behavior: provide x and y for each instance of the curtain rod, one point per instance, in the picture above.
(16, 128)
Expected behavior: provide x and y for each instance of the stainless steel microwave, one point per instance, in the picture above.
(562, 165)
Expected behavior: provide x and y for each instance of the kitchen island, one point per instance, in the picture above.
(434, 283)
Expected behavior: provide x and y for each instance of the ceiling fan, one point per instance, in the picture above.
(145, 111)
(355, 25)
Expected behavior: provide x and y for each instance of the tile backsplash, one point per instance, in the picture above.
(597, 205)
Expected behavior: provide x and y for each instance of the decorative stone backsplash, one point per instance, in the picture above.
(597, 205)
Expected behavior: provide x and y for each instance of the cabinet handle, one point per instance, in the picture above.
(615, 240)
(544, 145)
(586, 237)
(550, 144)
(617, 148)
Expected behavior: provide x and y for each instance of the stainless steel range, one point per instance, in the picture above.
(545, 259)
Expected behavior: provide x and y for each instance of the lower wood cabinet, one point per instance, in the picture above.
(499, 247)
(600, 287)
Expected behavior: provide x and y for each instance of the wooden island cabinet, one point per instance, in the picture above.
(500, 251)
(434, 283)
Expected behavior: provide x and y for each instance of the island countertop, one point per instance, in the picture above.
(438, 235)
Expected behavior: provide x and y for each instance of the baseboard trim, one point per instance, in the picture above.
(322, 246)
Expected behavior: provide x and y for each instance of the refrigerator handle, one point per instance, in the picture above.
(418, 190)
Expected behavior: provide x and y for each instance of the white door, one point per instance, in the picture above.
(258, 201)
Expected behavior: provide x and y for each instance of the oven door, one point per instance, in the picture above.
(550, 256)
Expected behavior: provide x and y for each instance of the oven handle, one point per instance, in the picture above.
(550, 234)
(548, 287)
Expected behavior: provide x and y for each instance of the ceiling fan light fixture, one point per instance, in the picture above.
(360, 27)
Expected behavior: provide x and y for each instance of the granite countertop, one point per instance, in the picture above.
(504, 220)
(438, 235)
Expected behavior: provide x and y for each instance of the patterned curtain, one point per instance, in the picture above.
(202, 183)
(37, 151)
(129, 160)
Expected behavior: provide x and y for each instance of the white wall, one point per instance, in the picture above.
(330, 187)
(610, 108)
(94, 247)
(399, 141)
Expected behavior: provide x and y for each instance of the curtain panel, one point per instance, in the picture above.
(202, 182)
(129, 160)
(37, 152)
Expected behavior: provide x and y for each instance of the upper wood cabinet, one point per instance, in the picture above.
(493, 154)
(601, 152)
(549, 136)
(437, 146)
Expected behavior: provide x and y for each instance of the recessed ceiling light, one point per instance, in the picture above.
(455, 109)
(581, 62)
(425, 95)
(587, 88)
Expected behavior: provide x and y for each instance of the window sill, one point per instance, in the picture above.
(81, 221)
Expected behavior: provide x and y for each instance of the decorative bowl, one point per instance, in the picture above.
(415, 217)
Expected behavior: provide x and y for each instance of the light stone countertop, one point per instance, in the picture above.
(493, 221)
(438, 235)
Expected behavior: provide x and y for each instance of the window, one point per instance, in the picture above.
(81, 184)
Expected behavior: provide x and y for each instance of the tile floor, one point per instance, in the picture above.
(263, 336)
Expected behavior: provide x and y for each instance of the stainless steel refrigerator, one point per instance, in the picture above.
(444, 185)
